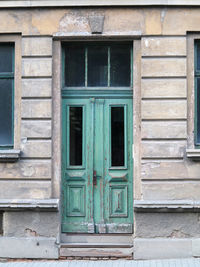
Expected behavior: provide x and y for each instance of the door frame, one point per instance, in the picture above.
(57, 113)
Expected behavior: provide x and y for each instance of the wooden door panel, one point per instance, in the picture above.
(77, 174)
(118, 180)
(97, 195)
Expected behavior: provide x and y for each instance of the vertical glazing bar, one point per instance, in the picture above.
(108, 66)
(86, 66)
(131, 61)
(63, 67)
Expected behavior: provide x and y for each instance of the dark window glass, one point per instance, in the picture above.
(117, 136)
(6, 58)
(198, 57)
(75, 66)
(198, 110)
(97, 66)
(76, 132)
(120, 65)
(6, 111)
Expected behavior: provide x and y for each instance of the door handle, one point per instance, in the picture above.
(95, 177)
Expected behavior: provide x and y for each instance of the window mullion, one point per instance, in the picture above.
(86, 66)
(108, 66)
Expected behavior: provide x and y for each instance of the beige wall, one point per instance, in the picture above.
(166, 172)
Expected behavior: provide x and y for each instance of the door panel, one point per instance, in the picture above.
(77, 188)
(118, 178)
(97, 195)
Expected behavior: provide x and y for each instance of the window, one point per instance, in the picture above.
(6, 94)
(10, 96)
(193, 96)
(197, 93)
(98, 65)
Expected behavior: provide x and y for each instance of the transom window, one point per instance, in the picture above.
(97, 65)
(6, 94)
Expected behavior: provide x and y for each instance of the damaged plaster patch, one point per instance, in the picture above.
(74, 22)
(178, 234)
(29, 232)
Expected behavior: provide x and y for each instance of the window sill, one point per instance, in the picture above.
(9, 155)
(166, 206)
(193, 154)
(29, 204)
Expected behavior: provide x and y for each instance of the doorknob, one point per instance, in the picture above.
(95, 177)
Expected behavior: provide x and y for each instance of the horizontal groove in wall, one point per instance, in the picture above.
(37, 56)
(162, 120)
(164, 56)
(166, 100)
(37, 77)
(160, 158)
(164, 77)
(187, 179)
(36, 98)
(36, 36)
(36, 158)
(163, 36)
(39, 139)
(35, 118)
(144, 161)
(163, 139)
(175, 98)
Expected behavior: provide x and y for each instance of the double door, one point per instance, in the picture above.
(97, 165)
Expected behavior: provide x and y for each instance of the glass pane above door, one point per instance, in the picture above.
(95, 65)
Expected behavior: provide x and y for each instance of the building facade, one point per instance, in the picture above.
(100, 129)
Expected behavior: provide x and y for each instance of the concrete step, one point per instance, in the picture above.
(94, 251)
(97, 238)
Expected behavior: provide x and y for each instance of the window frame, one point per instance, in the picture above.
(10, 75)
(196, 77)
(12, 152)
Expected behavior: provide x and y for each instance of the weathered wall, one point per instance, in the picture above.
(65, 21)
(163, 84)
(166, 172)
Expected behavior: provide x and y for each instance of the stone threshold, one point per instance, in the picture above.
(29, 204)
(166, 205)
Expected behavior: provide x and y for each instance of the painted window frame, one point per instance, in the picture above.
(11, 153)
(9, 75)
(193, 149)
(196, 76)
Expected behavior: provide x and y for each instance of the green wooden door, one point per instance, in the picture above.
(97, 176)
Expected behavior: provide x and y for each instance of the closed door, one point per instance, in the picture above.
(97, 165)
